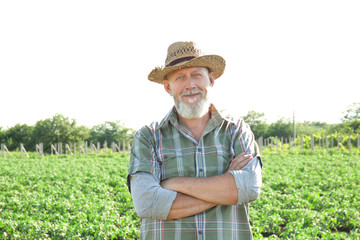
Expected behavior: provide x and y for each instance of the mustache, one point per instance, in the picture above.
(190, 92)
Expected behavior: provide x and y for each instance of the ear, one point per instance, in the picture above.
(212, 78)
(167, 88)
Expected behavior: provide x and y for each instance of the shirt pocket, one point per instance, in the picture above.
(178, 163)
(217, 161)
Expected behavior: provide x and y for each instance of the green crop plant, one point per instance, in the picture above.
(305, 195)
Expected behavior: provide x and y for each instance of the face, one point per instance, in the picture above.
(189, 88)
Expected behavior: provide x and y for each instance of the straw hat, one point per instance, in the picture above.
(187, 54)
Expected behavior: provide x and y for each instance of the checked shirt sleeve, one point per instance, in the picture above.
(149, 198)
(249, 179)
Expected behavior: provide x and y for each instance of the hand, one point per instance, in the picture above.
(239, 162)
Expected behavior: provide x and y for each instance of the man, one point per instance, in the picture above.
(193, 174)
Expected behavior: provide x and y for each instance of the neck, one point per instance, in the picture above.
(196, 125)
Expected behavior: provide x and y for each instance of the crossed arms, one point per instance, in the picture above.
(180, 197)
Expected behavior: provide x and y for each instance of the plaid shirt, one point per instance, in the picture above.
(168, 149)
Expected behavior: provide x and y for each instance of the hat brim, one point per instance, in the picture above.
(215, 63)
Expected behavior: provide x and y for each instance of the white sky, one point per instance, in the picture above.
(89, 60)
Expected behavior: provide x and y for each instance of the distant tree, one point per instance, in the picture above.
(352, 113)
(280, 128)
(110, 132)
(310, 128)
(257, 123)
(2, 136)
(352, 127)
(58, 129)
(20, 134)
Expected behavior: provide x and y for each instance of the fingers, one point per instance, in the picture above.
(239, 162)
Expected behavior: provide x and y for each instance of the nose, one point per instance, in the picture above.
(190, 83)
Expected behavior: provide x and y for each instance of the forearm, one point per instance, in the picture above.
(218, 190)
(185, 206)
(237, 187)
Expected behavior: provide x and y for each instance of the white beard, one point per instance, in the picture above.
(197, 111)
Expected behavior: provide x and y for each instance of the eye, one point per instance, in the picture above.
(197, 75)
(180, 78)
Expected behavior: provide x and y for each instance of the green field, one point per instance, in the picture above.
(305, 196)
(66, 198)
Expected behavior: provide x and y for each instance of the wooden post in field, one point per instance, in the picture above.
(53, 149)
(92, 148)
(327, 143)
(282, 143)
(86, 148)
(4, 150)
(260, 144)
(23, 150)
(349, 143)
(40, 149)
(74, 148)
(116, 147)
(290, 143)
(37, 149)
(68, 148)
(60, 148)
(332, 142)
(124, 149)
(341, 140)
(105, 147)
(81, 149)
(265, 142)
(312, 143)
(113, 147)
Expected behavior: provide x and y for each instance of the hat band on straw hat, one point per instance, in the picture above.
(179, 60)
(184, 55)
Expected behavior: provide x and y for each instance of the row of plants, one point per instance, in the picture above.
(305, 195)
(63, 197)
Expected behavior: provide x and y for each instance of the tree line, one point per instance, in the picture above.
(60, 129)
(350, 124)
